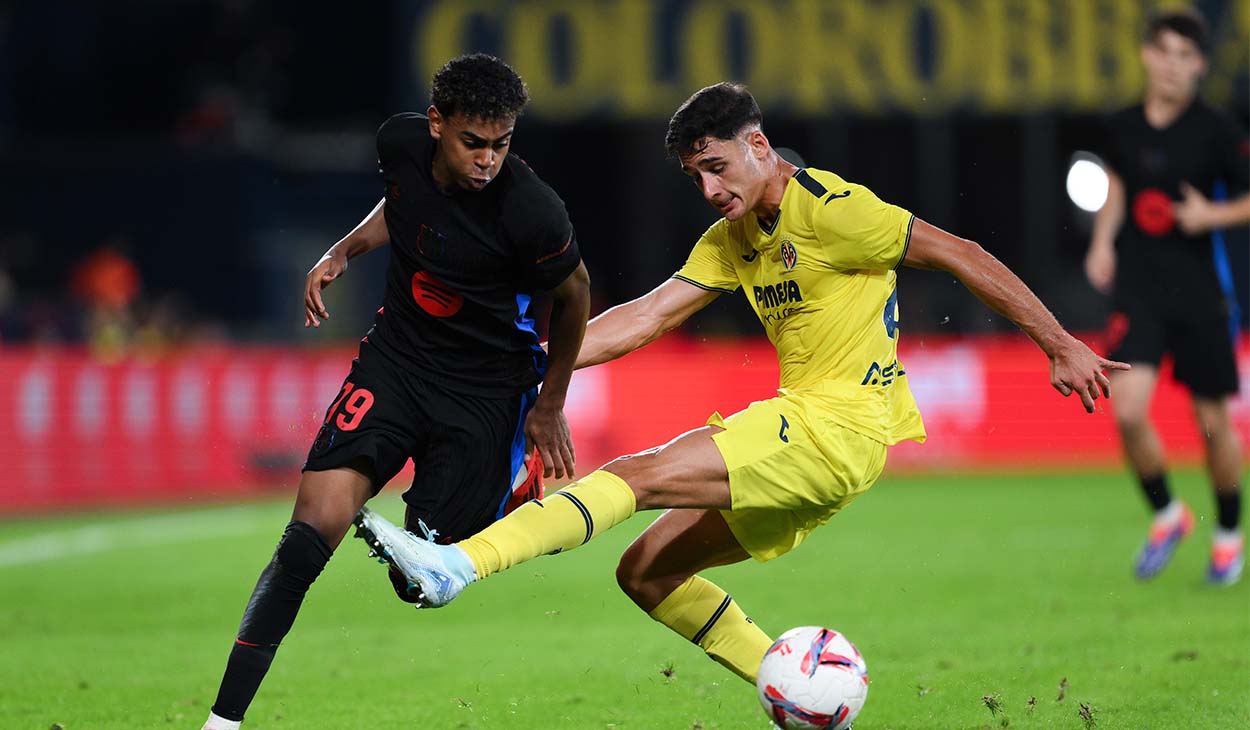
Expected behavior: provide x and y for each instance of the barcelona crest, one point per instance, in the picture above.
(789, 256)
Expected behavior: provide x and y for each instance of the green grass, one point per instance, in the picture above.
(954, 587)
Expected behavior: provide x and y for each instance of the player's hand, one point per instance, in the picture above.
(1074, 368)
(1100, 267)
(330, 267)
(1193, 212)
(547, 430)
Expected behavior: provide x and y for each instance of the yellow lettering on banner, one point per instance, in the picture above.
(898, 42)
(1019, 59)
(1230, 55)
(705, 46)
(531, 29)
(1118, 73)
(827, 61)
(634, 71)
(438, 35)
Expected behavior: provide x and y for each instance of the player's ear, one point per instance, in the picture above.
(436, 122)
(758, 144)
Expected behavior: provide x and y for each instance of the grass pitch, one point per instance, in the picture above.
(961, 591)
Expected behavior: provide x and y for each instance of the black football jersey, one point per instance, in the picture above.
(464, 267)
(1156, 262)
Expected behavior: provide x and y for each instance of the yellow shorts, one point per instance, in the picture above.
(791, 468)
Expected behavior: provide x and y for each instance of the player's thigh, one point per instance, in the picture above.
(463, 475)
(686, 473)
(1204, 358)
(371, 424)
(328, 500)
(792, 466)
(679, 544)
(1131, 392)
(1213, 416)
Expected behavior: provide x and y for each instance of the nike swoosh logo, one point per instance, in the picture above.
(846, 194)
(751, 258)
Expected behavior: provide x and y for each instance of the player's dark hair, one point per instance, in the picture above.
(1185, 22)
(478, 85)
(720, 111)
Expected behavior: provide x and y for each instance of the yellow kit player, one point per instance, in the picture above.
(815, 256)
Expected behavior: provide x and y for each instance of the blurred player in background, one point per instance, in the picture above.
(447, 374)
(816, 258)
(1165, 156)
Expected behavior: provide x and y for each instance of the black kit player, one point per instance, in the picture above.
(1166, 155)
(447, 375)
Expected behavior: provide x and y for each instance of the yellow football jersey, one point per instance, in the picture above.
(821, 280)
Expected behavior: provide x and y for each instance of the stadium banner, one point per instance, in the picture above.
(218, 422)
(811, 57)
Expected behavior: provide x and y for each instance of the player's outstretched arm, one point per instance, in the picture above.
(629, 326)
(1074, 368)
(368, 235)
(545, 427)
(1100, 259)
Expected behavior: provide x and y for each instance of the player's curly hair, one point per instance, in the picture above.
(1186, 22)
(720, 111)
(478, 85)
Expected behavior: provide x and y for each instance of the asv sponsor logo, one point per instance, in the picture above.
(883, 376)
(775, 295)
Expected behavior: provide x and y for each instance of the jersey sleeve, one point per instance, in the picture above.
(547, 245)
(1108, 143)
(396, 134)
(857, 230)
(1234, 156)
(709, 266)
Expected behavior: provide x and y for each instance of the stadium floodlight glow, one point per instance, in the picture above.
(1087, 182)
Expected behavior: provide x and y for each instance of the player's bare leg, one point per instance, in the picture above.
(658, 572)
(1224, 464)
(675, 547)
(1134, 389)
(324, 507)
(687, 472)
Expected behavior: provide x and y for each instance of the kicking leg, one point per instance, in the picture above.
(687, 472)
(324, 507)
(658, 572)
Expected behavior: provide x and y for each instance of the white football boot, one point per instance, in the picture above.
(435, 573)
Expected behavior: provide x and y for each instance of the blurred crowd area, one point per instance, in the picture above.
(169, 169)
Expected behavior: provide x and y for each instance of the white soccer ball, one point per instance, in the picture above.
(812, 677)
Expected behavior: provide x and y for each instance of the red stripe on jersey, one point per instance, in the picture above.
(551, 256)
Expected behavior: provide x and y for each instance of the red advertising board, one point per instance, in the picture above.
(229, 420)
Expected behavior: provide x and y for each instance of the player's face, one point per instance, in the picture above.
(470, 149)
(1174, 64)
(729, 172)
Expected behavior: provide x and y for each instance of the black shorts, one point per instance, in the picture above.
(1202, 349)
(466, 450)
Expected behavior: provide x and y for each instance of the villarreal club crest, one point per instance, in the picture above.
(789, 256)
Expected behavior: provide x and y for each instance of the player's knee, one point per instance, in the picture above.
(630, 575)
(640, 472)
(303, 551)
(1131, 420)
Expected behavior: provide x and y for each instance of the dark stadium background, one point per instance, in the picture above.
(223, 145)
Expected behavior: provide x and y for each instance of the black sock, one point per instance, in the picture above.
(301, 555)
(1156, 490)
(1228, 505)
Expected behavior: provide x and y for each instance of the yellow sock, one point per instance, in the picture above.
(703, 613)
(560, 521)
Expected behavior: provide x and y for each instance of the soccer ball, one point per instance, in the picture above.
(812, 678)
